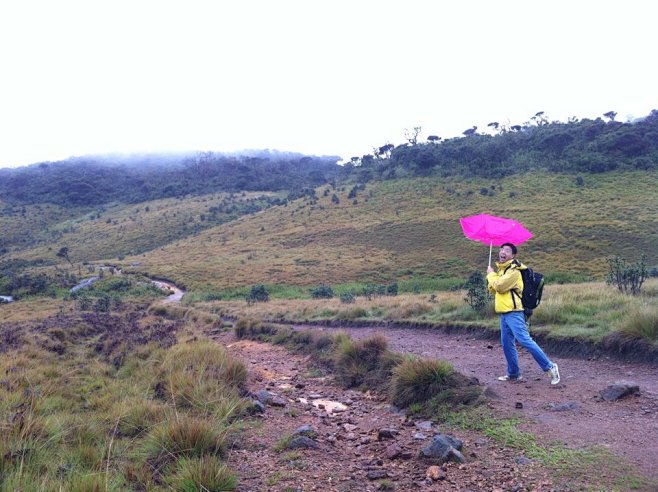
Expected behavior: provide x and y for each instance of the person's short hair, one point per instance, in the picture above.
(511, 246)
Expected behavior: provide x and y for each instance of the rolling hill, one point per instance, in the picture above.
(408, 228)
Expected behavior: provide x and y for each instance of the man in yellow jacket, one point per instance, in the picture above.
(507, 285)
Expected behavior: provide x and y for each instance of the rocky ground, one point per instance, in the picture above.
(370, 445)
(364, 445)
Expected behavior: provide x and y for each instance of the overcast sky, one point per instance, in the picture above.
(319, 77)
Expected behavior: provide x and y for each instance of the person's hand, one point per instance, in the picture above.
(490, 270)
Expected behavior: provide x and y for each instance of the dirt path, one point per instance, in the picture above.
(367, 446)
(569, 412)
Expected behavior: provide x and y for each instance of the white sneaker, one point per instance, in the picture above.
(554, 374)
(509, 378)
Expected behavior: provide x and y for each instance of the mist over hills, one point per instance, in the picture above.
(133, 178)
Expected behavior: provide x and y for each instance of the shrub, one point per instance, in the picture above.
(392, 290)
(627, 278)
(84, 302)
(418, 380)
(322, 292)
(477, 294)
(103, 304)
(258, 293)
(347, 298)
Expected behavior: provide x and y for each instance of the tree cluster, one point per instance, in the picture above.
(96, 181)
(577, 146)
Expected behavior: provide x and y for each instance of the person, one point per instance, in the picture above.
(507, 285)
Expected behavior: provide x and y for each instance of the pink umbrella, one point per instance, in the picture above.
(489, 229)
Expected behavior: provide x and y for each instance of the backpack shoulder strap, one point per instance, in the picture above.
(516, 263)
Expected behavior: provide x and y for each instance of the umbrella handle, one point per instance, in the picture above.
(490, 248)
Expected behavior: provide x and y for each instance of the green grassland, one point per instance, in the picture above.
(22, 226)
(117, 230)
(409, 228)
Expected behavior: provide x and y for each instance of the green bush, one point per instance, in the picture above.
(322, 292)
(628, 278)
(258, 293)
(477, 294)
(347, 298)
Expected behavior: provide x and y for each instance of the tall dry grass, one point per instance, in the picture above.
(77, 422)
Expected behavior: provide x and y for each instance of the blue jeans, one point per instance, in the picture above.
(513, 329)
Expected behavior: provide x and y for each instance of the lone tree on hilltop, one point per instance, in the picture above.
(433, 139)
(412, 135)
(611, 115)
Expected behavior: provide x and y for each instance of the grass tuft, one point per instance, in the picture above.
(185, 437)
(207, 473)
(641, 322)
(418, 380)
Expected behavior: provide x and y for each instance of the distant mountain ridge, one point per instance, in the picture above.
(133, 178)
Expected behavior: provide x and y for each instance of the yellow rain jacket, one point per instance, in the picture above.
(503, 282)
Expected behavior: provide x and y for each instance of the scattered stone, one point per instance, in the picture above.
(518, 405)
(397, 411)
(350, 427)
(420, 436)
(255, 407)
(277, 401)
(386, 434)
(564, 407)
(393, 451)
(620, 389)
(300, 385)
(302, 442)
(522, 460)
(443, 448)
(425, 425)
(264, 396)
(306, 430)
(435, 473)
(377, 474)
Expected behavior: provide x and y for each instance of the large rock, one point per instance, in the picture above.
(620, 389)
(303, 442)
(306, 430)
(443, 448)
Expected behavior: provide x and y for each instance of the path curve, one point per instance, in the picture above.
(176, 295)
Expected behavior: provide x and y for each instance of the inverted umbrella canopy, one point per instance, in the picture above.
(492, 230)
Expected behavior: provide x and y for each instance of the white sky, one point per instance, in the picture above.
(332, 77)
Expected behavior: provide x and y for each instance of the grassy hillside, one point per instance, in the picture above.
(22, 225)
(117, 230)
(409, 228)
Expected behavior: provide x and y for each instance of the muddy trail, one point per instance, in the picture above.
(571, 412)
(359, 442)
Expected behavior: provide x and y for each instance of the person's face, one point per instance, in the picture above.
(505, 254)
